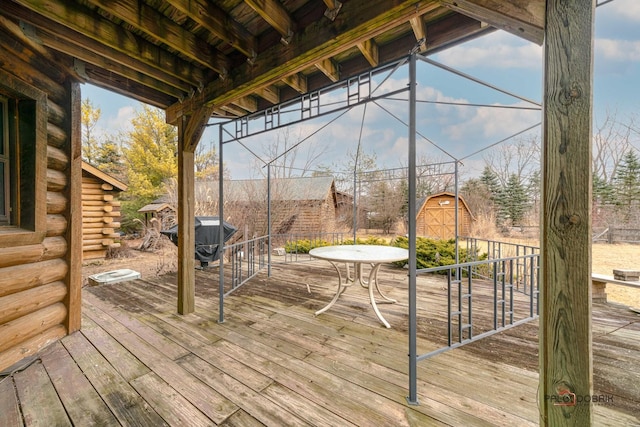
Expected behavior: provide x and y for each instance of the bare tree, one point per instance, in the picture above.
(521, 158)
(283, 153)
(610, 143)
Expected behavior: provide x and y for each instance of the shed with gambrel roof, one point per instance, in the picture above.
(436, 216)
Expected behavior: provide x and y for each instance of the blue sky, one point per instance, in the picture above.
(500, 59)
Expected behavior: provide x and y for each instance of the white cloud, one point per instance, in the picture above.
(496, 50)
(628, 10)
(618, 50)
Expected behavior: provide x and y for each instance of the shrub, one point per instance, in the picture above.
(434, 253)
(303, 246)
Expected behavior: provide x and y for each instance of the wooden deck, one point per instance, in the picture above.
(272, 362)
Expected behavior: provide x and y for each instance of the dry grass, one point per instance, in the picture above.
(606, 257)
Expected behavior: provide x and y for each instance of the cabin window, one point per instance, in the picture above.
(22, 163)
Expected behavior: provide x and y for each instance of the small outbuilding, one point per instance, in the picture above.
(436, 216)
(100, 212)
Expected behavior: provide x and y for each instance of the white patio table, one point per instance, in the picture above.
(375, 255)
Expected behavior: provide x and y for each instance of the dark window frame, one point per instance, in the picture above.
(26, 130)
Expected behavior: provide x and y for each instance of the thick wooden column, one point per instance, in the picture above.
(186, 226)
(190, 129)
(73, 300)
(565, 317)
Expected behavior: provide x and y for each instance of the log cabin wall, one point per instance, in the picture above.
(39, 277)
(100, 213)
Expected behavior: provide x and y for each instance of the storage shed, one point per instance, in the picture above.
(100, 211)
(436, 216)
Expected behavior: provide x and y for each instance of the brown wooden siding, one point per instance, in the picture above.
(436, 218)
(35, 279)
(100, 217)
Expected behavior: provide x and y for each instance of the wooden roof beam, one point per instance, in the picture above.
(133, 70)
(248, 103)
(360, 21)
(273, 12)
(420, 31)
(297, 81)
(220, 24)
(147, 20)
(329, 69)
(102, 32)
(269, 93)
(333, 8)
(369, 50)
(523, 18)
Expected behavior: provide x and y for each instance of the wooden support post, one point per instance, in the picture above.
(186, 225)
(73, 300)
(190, 129)
(565, 318)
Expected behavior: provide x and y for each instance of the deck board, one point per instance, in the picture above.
(273, 362)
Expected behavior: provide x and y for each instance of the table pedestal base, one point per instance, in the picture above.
(371, 282)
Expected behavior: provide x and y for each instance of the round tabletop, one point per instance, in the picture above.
(360, 253)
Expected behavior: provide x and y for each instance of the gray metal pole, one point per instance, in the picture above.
(221, 237)
(456, 204)
(412, 399)
(269, 219)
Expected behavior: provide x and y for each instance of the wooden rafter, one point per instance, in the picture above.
(248, 103)
(276, 15)
(524, 18)
(420, 31)
(297, 82)
(315, 44)
(369, 50)
(195, 127)
(134, 70)
(147, 20)
(333, 8)
(215, 20)
(105, 32)
(329, 69)
(269, 93)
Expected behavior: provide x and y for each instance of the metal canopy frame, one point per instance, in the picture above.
(356, 91)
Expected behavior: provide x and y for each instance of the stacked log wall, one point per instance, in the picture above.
(100, 218)
(35, 279)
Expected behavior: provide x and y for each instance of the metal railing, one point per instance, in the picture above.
(296, 246)
(476, 248)
(246, 259)
(468, 283)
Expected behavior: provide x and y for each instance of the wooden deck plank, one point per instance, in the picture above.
(255, 404)
(273, 357)
(126, 364)
(83, 404)
(171, 405)
(209, 401)
(123, 401)
(201, 347)
(9, 407)
(313, 413)
(40, 403)
(169, 348)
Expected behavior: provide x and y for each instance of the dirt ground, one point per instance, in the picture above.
(605, 258)
(149, 264)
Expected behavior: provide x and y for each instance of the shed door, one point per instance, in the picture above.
(441, 222)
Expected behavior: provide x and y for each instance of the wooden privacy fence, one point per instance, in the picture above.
(617, 235)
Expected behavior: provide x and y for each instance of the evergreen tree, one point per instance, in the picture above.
(603, 192)
(515, 200)
(627, 184)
